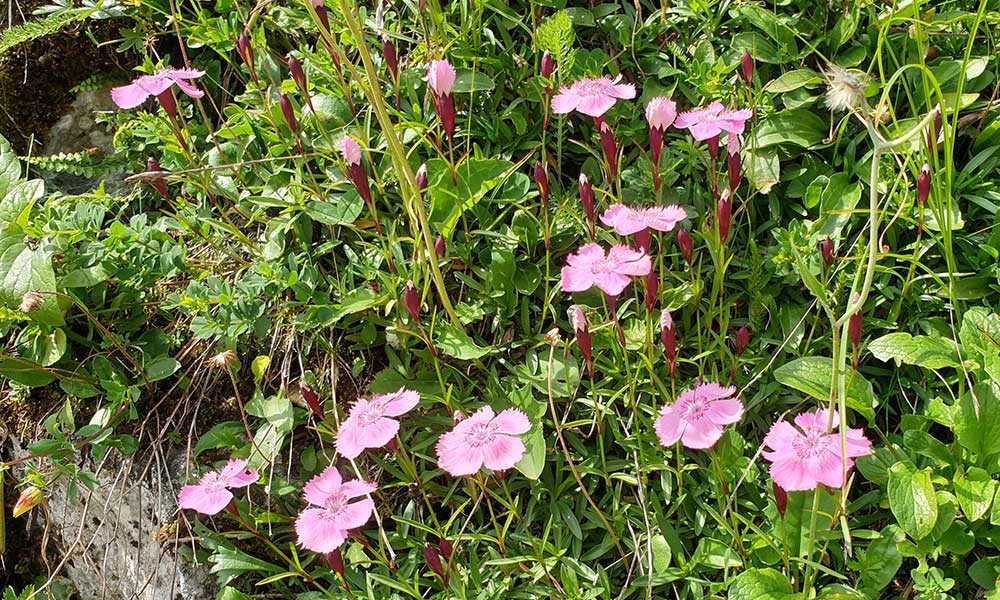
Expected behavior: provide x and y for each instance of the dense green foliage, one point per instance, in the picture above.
(262, 267)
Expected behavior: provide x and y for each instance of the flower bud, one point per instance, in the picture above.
(854, 328)
(166, 100)
(445, 549)
(412, 300)
(439, 247)
(780, 498)
(457, 417)
(669, 338)
(548, 65)
(288, 112)
(742, 340)
(245, 50)
(298, 75)
(390, 57)
(610, 149)
(826, 249)
(713, 148)
(552, 336)
(934, 132)
(336, 561)
(311, 400)
(652, 285)
(30, 497)
(542, 181)
(587, 199)
(734, 162)
(686, 245)
(724, 214)
(31, 301)
(583, 341)
(324, 20)
(923, 185)
(421, 177)
(747, 64)
(434, 562)
(158, 184)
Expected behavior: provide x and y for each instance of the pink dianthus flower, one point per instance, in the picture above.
(324, 526)
(707, 123)
(808, 456)
(368, 425)
(698, 415)
(592, 97)
(612, 272)
(210, 495)
(483, 439)
(135, 93)
(628, 221)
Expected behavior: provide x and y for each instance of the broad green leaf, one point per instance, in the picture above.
(10, 167)
(927, 445)
(979, 430)
(662, 554)
(24, 269)
(879, 562)
(258, 366)
(921, 350)
(25, 372)
(813, 375)
(974, 490)
(18, 200)
(912, 499)
(715, 554)
(229, 563)
(797, 126)
(357, 301)
(793, 80)
(839, 198)
(228, 593)
(467, 81)
(477, 179)
(336, 210)
(533, 461)
(764, 168)
(760, 584)
(228, 434)
(161, 367)
(985, 572)
(454, 342)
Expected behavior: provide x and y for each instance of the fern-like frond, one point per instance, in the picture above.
(81, 164)
(37, 28)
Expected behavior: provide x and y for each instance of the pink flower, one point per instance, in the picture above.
(351, 149)
(698, 415)
(589, 267)
(661, 112)
(483, 439)
(805, 457)
(210, 495)
(628, 221)
(707, 123)
(441, 77)
(325, 528)
(592, 97)
(369, 426)
(135, 93)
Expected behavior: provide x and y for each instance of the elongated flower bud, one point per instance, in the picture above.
(747, 65)
(713, 148)
(158, 183)
(669, 338)
(610, 149)
(445, 549)
(854, 328)
(166, 100)
(686, 245)
(923, 185)
(439, 247)
(390, 57)
(724, 214)
(734, 162)
(542, 181)
(826, 249)
(780, 498)
(548, 65)
(30, 497)
(434, 562)
(579, 321)
(742, 340)
(245, 50)
(934, 132)
(421, 177)
(311, 400)
(652, 285)
(288, 112)
(412, 300)
(298, 75)
(324, 19)
(587, 199)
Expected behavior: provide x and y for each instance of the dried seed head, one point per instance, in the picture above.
(845, 89)
(223, 360)
(552, 336)
(31, 302)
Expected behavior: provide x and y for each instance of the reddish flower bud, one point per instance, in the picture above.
(548, 65)
(158, 183)
(412, 300)
(311, 400)
(686, 245)
(166, 100)
(713, 148)
(734, 163)
(457, 417)
(826, 249)
(336, 561)
(324, 20)
(655, 148)
(298, 75)
(652, 285)
(923, 185)
(854, 324)
(288, 112)
(742, 340)
(390, 57)
(780, 498)
(579, 321)
(434, 562)
(29, 498)
(934, 132)
(421, 177)
(245, 50)
(642, 240)
(724, 214)
(747, 64)
(542, 181)
(669, 338)
(439, 247)
(445, 549)
(610, 149)
(587, 199)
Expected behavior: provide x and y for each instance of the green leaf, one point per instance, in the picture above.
(228, 434)
(912, 499)
(921, 350)
(454, 342)
(765, 168)
(974, 490)
(477, 179)
(336, 210)
(879, 562)
(230, 563)
(25, 372)
(839, 198)
(161, 367)
(18, 201)
(797, 126)
(23, 270)
(354, 302)
(10, 167)
(927, 445)
(533, 461)
(760, 584)
(793, 80)
(228, 593)
(979, 430)
(468, 81)
(813, 374)
(662, 553)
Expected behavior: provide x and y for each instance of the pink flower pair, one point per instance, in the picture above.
(804, 457)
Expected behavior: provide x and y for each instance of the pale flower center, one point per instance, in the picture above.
(373, 413)
(695, 409)
(481, 434)
(217, 483)
(335, 504)
(593, 88)
(602, 266)
(811, 444)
